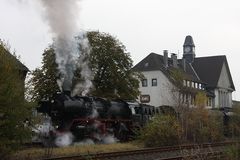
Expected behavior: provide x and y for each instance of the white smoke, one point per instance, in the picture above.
(71, 52)
(64, 139)
(109, 139)
(102, 139)
(86, 72)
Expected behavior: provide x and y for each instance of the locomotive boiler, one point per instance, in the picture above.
(88, 117)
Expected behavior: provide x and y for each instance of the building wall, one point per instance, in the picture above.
(166, 94)
(224, 92)
(162, 94)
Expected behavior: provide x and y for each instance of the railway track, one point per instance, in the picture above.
(150, 151)
(207, 155)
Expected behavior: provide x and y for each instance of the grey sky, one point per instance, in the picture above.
(143, 26)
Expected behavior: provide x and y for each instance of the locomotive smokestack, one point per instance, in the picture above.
(67, 92)
(66, 87)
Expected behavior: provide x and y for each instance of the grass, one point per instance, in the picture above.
(38, 153)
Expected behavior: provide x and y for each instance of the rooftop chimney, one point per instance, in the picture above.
(165, 58)
(174, 59)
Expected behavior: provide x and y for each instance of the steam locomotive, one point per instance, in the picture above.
(94, 118)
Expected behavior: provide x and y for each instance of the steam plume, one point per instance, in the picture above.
(62, 17)
(63, 140)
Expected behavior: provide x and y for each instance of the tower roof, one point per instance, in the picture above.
(188, 41)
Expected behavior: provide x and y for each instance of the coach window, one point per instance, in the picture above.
(154, 82)
(144, 83)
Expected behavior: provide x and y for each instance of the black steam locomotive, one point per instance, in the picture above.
(95, 118)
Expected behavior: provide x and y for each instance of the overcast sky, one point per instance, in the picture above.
(143, 26)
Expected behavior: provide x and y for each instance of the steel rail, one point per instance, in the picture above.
(210, 155)
(140, 152)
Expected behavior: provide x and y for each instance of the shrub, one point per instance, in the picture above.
(161, 131)
(204, 126)
(232, 152)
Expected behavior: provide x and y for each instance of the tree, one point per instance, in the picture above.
(111, 66)
(203, 125)
(198, 124)
(110, 63)
(44, 79)
(13, 108)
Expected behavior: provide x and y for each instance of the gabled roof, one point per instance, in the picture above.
(190, 73)
(152, 62)
(209, 69)
(204, 69)
(155, 62)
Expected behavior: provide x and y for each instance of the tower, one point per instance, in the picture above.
(189, 49)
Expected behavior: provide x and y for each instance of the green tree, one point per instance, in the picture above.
(44, 79)
(13, 109)
(111, 66)
(110, 63)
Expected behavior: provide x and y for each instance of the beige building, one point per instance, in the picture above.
(208, 74)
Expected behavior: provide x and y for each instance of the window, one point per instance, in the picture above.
(192, 84)
(196, 85)
(184, 83)
(154, 82)
(209, 101)
(188, 83)
(144, 83)
(187, 99)
(192, 100)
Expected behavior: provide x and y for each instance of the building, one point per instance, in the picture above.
(6, 56)
(170, 81)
